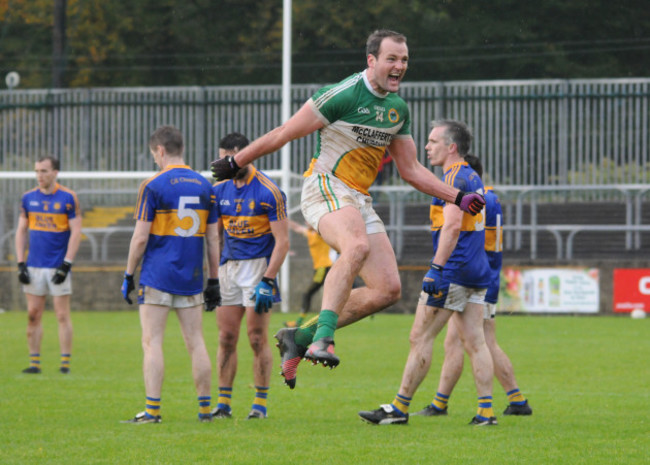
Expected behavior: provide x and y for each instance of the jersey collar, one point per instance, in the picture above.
(169, 167)
(458, 163)
(251, 174)
(369, 86)
(57, 186)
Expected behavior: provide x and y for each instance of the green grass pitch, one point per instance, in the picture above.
(587, 379)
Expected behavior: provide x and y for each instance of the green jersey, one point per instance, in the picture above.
(359, 124)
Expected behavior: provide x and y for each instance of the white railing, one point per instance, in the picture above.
(515, 199)
(521, 205)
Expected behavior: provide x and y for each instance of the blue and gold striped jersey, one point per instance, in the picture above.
(493, 242)
(468, 263)
(49, 229)
(247, 213)
(179, 204)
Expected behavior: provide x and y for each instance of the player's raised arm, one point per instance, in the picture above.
(404, 152)
(302, 123)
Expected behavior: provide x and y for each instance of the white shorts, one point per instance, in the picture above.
(151, 296)
(489, 311)
(40, 283)
(238, 279)
(454, 298)
(324, 193)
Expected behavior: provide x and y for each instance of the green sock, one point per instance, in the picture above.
(326, 324)
(313, 321)
(305, 333)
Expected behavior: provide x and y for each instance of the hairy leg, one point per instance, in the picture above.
(153, 319)
(470, 327)
(502, 365)
(383, 287)
(452, 366)
(35, 308)
(62, 310)
(191, 321)
(229, 322)
(344, 230)
(258, 336)
(428, 323)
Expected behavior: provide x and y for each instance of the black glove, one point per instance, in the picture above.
(470, 202)
(23, 273)
(224, 168)
(61, 272)
(212, 295)
(128, 286)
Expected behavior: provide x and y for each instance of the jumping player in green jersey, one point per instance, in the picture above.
(357, 120)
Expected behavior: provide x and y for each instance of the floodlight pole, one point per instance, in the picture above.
(286, 150)
(58, 44)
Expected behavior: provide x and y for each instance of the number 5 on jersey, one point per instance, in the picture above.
(185, 212)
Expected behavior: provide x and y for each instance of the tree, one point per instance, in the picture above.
(229, 42)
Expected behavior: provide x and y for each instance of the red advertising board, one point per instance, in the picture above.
(631, 289)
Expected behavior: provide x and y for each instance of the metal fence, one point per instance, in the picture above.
(536, 228)
(545, 142)
(536, 225)
(538, 132)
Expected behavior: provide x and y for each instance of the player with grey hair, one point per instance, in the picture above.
(455, 285)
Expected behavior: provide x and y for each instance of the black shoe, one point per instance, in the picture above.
(64, 370)
(205, 417)
(492, 421)
(384, 415)
(514, 409)
(322, 351)
(32, 370)
(431, 411)
(142, 418)
(220, 413)
(291, 354)
(255, 414)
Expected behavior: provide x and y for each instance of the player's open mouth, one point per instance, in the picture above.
(394, 77)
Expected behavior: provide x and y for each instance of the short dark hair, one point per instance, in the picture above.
(475, 163)
(374, 40)
(56, 164)
(170, 138)
(456, 132)
(233, 141)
